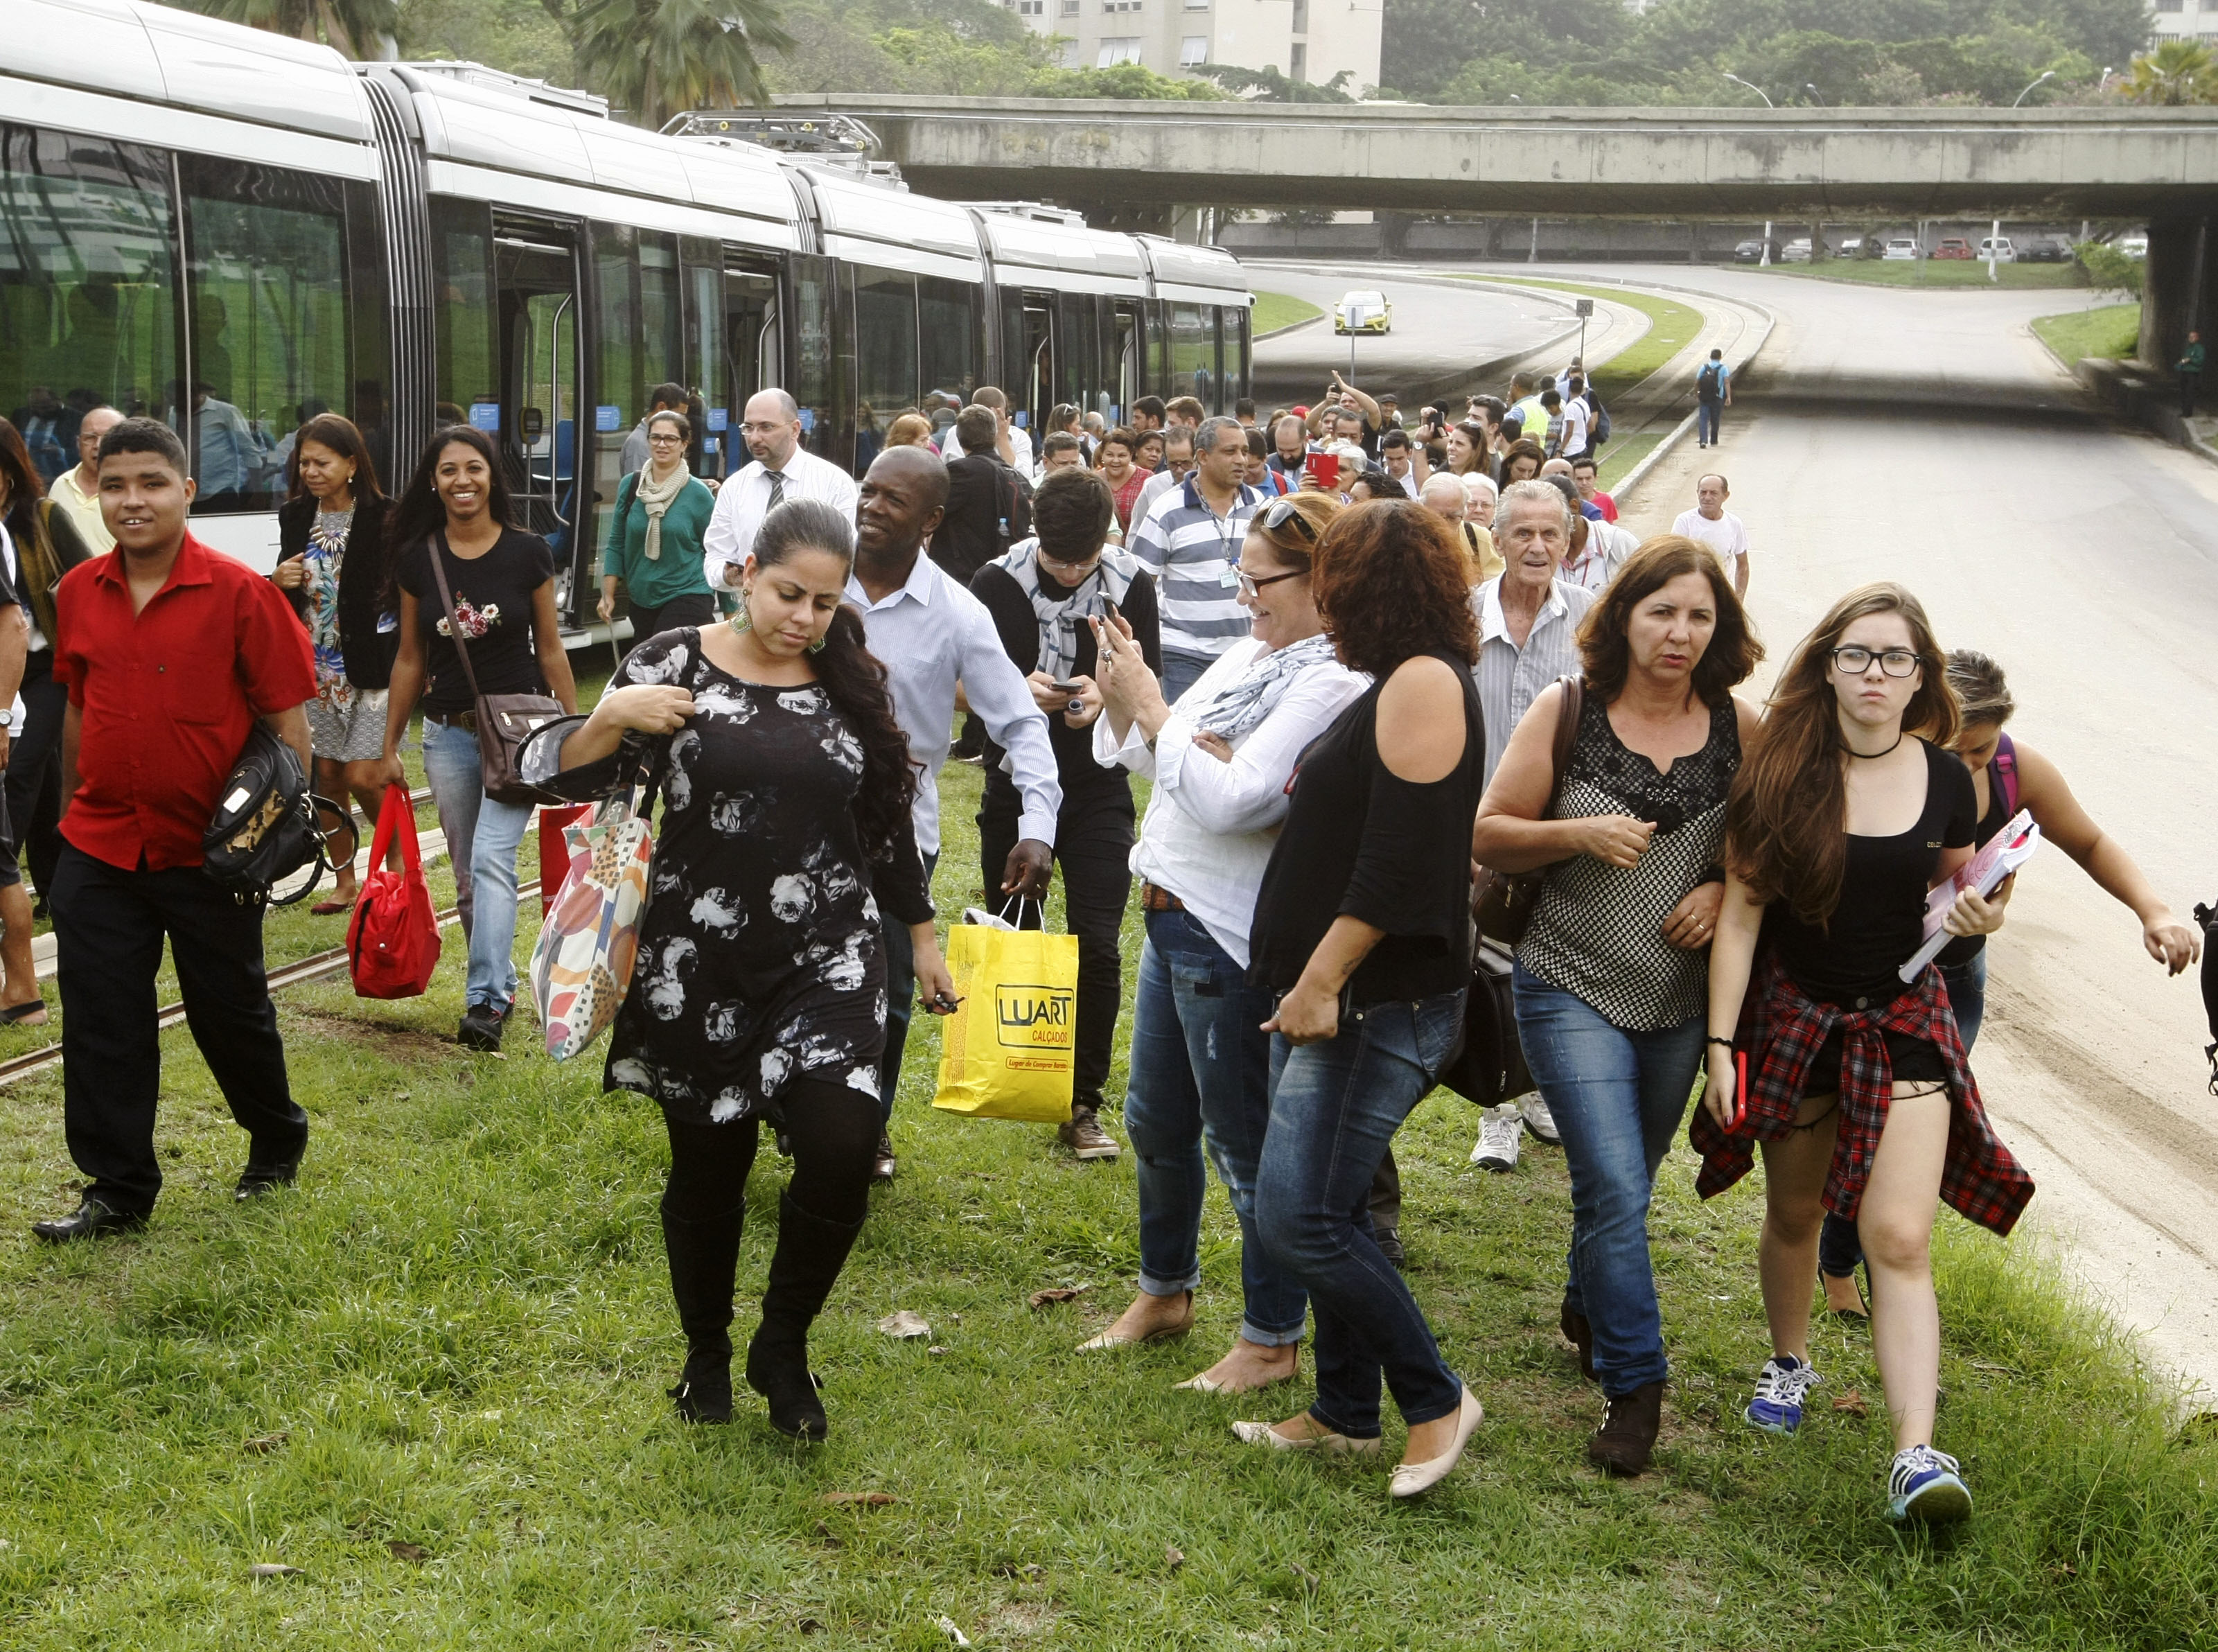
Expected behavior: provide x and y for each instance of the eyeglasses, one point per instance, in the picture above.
(665, 435)
(1250, 585)
(1281, 512)
(1085, 561)
(1894, 662)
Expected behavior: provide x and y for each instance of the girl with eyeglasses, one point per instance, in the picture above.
(1847, 814)
(1044, 596)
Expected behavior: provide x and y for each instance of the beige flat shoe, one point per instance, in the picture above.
(1412, 1478)
(1262, 1433)
(1108, 1339)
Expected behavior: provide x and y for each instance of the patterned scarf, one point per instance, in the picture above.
(1059, 608)
(657, 497)
(1241, 704)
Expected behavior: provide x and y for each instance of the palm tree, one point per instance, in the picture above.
(2179, 71)
(657, 57)
(354, 29)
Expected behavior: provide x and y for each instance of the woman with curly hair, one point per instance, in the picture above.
(1850, 810)
(760, 991)
(1362, 932)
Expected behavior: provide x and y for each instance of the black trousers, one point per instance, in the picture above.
(2189, 384)
(109, 929)
(34, 771)
(697, 609)
(1093, 849)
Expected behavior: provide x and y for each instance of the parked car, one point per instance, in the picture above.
(2133, 246)
(2046, 249)
(1374, 313)
(1853, 247)
(1751, 253)
(1953, 247)
(1998, 249)
(1800, 251)
(1900, 247)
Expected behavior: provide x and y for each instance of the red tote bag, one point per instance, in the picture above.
(392, 939)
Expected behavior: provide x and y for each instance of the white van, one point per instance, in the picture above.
(1996, 249)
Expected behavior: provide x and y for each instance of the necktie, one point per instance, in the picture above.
(776, 490)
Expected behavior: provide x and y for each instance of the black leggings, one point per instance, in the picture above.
(834, 1132)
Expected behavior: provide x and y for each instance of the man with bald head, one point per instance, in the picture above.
(781, 469)
(1443, 495)
(934, 637)
(77, 491)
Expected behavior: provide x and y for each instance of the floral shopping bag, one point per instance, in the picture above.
(582, 965)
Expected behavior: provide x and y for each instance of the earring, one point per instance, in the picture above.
(817, 647)
(740, 622)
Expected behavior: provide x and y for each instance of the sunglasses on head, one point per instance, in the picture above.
(1281, 512)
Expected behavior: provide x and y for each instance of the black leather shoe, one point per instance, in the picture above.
(257, 1180)
(881, 1162)
(1389, 1246)
(482, 1025)
(89, 1221)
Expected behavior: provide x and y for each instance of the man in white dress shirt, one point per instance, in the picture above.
(932, 634)
(782, 469)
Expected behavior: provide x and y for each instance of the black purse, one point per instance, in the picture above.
(265, 827)
(1488, 1067)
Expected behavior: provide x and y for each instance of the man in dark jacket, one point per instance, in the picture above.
(988, 504)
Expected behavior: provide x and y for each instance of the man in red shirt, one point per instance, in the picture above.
(170, 651)
(1583, 474)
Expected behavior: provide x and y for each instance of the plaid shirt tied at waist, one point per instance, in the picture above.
(1783, 1031)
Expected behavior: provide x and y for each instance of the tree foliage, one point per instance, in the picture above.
(354, 28)
(652, 58)
(1267, 85)
(2179, 71)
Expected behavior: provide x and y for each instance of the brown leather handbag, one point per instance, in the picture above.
(504, 722)
(1501, 902)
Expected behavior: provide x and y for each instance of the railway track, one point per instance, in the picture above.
(315, 967)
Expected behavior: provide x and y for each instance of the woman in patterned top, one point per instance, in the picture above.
(1613, 973)
(761, 988)
(330, 566)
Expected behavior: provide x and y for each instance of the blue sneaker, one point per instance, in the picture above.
(1924, 1486)
(1780, 1388)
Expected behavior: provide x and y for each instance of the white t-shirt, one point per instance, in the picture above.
(1727, 536)
(1575, 428)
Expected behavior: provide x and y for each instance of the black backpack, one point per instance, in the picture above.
(1705, 381)
(1599, 431)
(264, 828)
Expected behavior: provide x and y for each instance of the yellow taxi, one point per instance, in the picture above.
(1370, 310)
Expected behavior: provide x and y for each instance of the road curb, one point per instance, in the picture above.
(1292, 326)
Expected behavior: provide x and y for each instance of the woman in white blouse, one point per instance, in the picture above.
(1200, 1062)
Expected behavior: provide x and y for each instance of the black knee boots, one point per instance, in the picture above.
(703, 1257)
(810, 1254)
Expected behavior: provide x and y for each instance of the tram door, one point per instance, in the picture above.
(1128, 331)
(536, 282)
(1034, 336)
(751, 348)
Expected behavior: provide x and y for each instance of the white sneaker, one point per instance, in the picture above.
(1539, 1119)
(1499, 1132)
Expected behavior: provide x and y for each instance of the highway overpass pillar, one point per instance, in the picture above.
(2179, 288)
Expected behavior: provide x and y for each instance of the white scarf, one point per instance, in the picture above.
(657, 497)
(1059, 608)
(1242, 704)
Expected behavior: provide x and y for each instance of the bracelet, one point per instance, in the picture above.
(1728, 1042)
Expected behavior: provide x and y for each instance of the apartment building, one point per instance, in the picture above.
(1303, 39)
(2185, 19)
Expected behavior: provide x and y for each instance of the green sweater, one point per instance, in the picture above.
(677, 572)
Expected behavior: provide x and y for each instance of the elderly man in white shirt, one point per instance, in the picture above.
(933, 636)
(1717, 527)
(782, 469)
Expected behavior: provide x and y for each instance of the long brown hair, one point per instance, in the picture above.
(1605, 652)
(1787, 820)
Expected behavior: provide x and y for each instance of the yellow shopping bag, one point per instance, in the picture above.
(1009, 1051)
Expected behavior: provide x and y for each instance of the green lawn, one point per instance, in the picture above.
(1932, 272)
(431, 1378)
(1671, 327)
(1276, 310)
(2115, 329)
(1619, 458)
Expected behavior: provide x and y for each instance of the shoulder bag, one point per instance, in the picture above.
(504, 721)
(1501, 902)
(265, 827)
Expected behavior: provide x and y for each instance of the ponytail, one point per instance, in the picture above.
(855, 681)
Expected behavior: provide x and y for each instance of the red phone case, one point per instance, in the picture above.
(1740, 1090)
(1325, 467)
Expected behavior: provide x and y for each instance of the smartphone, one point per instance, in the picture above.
(1740, 1090)
(1064, 688)
(1325, 467)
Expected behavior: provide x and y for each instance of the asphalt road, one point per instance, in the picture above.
(1928, 437)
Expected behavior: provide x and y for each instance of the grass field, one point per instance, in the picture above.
(2115, 329)
(1618, 457)
(1671, 327)
(431, 1379)
(1276, 310)
(1930, 272)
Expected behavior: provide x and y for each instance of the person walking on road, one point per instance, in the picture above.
(172, 653)
(2007, 776)
(1611, 975)
(2191, 374)
(1712, 395)
(1847, 812)
(657, 536)
(1713, 525)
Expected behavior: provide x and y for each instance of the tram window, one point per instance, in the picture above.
(620, 386)
(751, 350)
(810, 384)
(464, 375)
(1234, 321)
(950, 337)
(704, 366)
(1159, 367)
(1193, 354)
(266, 253)
(88, 285)
(661, 360)
(885, 356)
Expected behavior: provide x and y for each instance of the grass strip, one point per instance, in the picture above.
(431, 1378)
(1276, 310)
(1671, 327)
(1928, 272)
(2112, 331)
(1619, 458)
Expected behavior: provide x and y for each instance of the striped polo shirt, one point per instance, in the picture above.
(1194, 555)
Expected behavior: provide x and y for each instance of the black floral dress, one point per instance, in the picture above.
(759, 959)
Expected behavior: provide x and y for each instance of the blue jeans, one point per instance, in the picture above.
(482, 839)
(1181, 672)
(1617, 1097)
(1705, 420)
(900, 997)
(1200, 1071)
(1334, 1107)
(1839, 1249)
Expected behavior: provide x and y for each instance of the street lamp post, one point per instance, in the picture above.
(2046, 75)
(1758, 90)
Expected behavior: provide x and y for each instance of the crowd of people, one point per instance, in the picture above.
(1356, 660)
